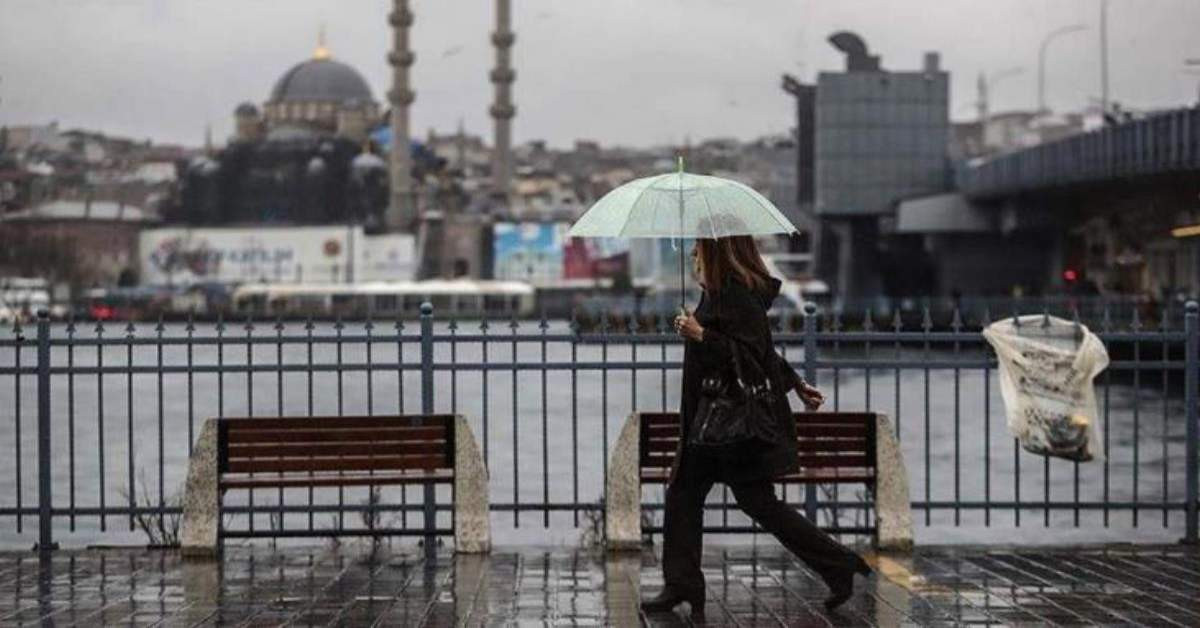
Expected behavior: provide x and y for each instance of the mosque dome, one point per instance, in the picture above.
(204, 166)
(321, 79)
(316, 166)
(322, 95)
(365, 162)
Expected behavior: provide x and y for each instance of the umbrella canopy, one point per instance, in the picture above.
(681, 205)
(684, 206)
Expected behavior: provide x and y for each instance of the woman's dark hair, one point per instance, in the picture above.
(735, 256)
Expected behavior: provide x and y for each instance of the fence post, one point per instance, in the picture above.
(1191, 364)
(45, 535)
(427, 409)
(810, 374)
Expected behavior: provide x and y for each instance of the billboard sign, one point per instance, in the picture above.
(184, 256)
(541, 253)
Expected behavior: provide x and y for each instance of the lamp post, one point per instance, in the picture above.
(1103, 57)
(984, 84)
(1042, 61)
(1193, 67)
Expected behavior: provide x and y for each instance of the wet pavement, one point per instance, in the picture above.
(349, 585)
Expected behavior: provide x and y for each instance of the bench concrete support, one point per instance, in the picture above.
(200, 527)
(472, 526)
(622, 588)
(623, 494)
(893, 510)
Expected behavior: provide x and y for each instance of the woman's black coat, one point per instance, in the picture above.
(737, 313)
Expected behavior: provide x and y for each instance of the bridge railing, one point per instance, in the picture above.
(1157, 144)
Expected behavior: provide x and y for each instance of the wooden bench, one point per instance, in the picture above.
(312, 452)
(834, 448)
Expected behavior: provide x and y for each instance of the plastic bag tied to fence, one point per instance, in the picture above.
(1047, 365)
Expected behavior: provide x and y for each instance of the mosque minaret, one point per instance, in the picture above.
(401, 212)
(502, 109)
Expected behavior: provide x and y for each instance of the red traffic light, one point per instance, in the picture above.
(1070, 274)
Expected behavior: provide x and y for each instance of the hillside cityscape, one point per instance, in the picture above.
(308, 208)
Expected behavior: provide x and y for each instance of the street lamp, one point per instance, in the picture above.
(1194, 73)
(984, 85)
(1192, 66)
(1042, 61)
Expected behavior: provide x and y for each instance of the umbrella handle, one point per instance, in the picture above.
(682, 284)
(682, 281)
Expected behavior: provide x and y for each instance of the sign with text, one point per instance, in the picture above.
(272, 255)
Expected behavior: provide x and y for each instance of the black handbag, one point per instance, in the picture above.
(736, 417)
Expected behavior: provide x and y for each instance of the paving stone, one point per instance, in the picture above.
(760, 585)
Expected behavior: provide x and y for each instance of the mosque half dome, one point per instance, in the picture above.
(321, 79)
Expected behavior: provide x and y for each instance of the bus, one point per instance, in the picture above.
(22, 297)
(463, 298)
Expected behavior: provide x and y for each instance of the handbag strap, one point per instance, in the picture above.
(744, 351)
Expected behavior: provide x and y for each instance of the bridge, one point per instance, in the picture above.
(1113, 211)
(1165, 144)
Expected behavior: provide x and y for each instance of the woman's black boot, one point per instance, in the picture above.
(669, 598)
(841, 584)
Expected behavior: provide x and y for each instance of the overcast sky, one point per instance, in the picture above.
(633, 72)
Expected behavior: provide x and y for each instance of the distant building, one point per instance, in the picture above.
(76, 243)
(880, 136)
(304, 158)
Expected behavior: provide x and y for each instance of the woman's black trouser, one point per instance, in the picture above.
(684, 519)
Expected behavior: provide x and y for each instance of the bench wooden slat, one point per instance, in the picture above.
(668, 418)
(842, 445)
(833, 460)
(833, 475)
(317, 448)
(339, 463)
(440, 476)
(658, 475)
(662, 444)
(434, 433)
(832, 444)
(336, 422)
(802, 418)
(661, 460)
(658, 460)
(846, 431)
(851, 418)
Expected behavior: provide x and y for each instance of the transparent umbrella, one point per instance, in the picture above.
(681, 205)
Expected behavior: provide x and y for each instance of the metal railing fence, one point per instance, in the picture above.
(99, 419)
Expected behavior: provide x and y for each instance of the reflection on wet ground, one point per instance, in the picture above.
(349, 585)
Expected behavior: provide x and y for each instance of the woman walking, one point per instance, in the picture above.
(732, 316)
